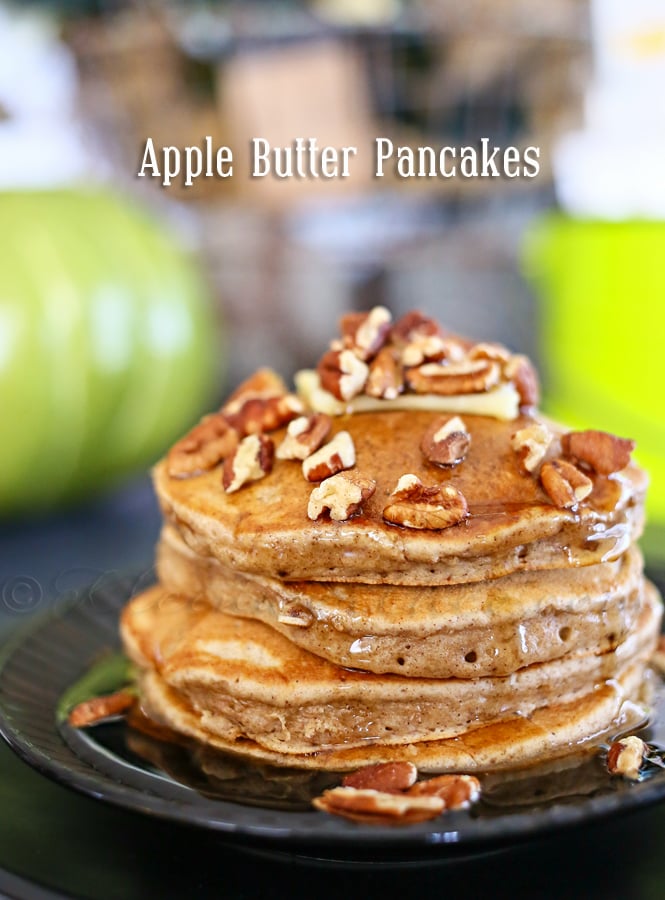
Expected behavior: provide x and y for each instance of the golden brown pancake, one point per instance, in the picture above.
(263, 529)
(470, 630)
(247, 681)
(548, 733)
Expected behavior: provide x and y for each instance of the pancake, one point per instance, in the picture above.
(247, 681)
(464, 631)
(264, 530)
(548, 733)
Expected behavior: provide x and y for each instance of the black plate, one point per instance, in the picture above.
(38, 666)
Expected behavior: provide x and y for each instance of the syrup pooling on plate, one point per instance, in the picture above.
(141, 742)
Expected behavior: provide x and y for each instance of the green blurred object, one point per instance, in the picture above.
(602, 312)
(107, 344)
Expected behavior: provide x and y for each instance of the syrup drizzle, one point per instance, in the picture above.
(215, 774)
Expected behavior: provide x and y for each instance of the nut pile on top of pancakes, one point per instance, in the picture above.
(402, 560)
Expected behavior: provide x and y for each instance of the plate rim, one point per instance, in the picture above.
(502, 829)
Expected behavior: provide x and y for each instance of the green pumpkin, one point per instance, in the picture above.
(107, 344)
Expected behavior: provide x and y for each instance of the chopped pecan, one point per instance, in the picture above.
(304, 436)
(385, 379)
(416, 506)
(414, 325)
(378, 807)
(366, 333)
(625, 757)
(251, 461)
(335, 456)
(342, 374)
(262, 384)
(91, 711)
(605, 453)
(446, 441)
(260, 414)
(483, 350)
(207, 444)
(341, 495)
(295, 615)
(456, 791)
(564, 484)
(468, 377)
(531, 444)
(521, 372)
(390, 777)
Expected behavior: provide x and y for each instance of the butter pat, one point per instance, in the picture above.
(502, 402)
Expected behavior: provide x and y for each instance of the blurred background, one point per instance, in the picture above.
(126, 308)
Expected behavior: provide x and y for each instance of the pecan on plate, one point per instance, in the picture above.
(456, 791)
(389, 777)
(89, 712)
(378, 807)
(625, 757)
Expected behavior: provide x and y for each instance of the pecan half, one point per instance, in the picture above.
(91, 711)
(564, 484)
(531, 444)
(335, 456)
(414, 325)
(207, 444)
(456, 791)
(605, 453)
(342, 374)
(446, 441)
(262, 384)
(468, 377)
(416, 506)
(429, 348)
(304, 436)
(389, 777)
(386, 378)
(378, 807)
(251, 461)
(521, 372)
(341, 495)
(625, 757)
(265, 413)
(432, 349)
(366, 333)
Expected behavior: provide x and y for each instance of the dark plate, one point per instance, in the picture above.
(38, 666)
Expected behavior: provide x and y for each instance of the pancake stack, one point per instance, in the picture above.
(403, 560)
